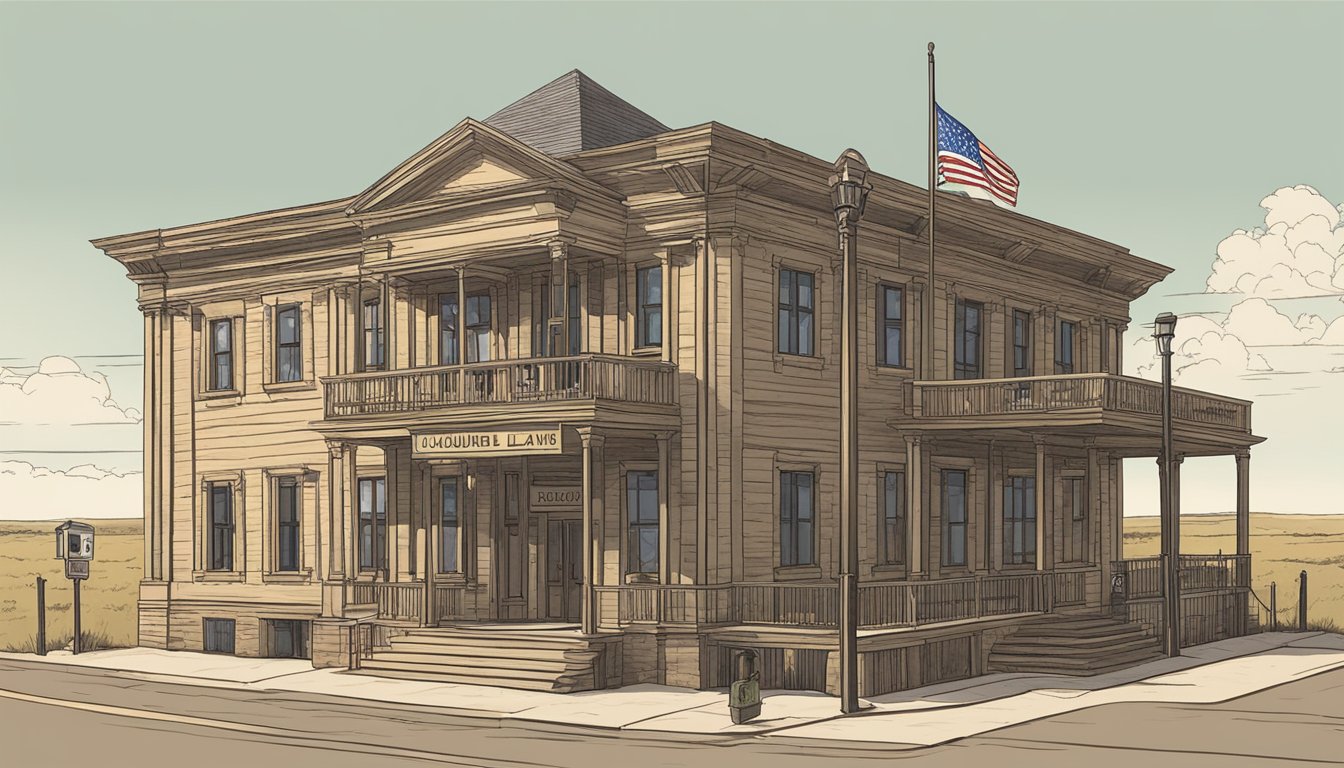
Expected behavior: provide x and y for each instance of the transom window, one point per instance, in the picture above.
(288, 344)
(796, 519)
(221, 354)
(891, 330)
(641, 503)
(796, 306)
(649, 303)
(969, 349)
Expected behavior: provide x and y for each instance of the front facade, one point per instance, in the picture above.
(569, 369)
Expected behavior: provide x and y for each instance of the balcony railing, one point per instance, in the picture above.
(1141, 578)
(1075, 392)
(532, 380)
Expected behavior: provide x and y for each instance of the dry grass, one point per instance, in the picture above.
(1282, 546)
(107, 598)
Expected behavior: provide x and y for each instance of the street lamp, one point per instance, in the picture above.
(849, 192)
(1164, 330)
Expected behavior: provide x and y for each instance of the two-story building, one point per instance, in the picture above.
(555, 404)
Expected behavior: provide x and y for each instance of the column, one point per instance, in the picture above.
(425, 498)
(1045, 529)
(918, 510)
(336, 481)
(1244, 502)
(664, 530)
(594, 488)
(150, 425)
(1176, 462)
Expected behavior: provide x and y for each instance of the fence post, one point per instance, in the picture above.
(41, 616)
(1274, 606)
(1302, 602)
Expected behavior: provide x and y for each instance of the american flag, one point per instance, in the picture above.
(965, 161)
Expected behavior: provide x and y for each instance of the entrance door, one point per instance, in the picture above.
(564, 569)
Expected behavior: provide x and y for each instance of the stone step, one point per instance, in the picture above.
(553, 653)
(1013, 646)
(416, 663)
(1071, 666)
(565, 685)
(1083, 641)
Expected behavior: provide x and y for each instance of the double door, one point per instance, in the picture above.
(564, 569)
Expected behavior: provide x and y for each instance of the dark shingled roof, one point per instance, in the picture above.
(572, 113)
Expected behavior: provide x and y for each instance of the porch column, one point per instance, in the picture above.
(664, 531)
(425, 498)
(335, 543)
(1045, 529)
(462, 324)
(594, 488)
(1244, 502)
(557, 325)
(916, 518)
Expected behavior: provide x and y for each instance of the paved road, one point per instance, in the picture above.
(54, 716)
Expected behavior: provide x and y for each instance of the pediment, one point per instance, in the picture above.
(467, 159)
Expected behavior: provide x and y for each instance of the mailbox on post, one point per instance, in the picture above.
(74, 545)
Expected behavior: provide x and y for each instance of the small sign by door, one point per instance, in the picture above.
(555, 498)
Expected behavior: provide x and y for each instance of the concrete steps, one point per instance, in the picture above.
(560, 660)
(1084, 645)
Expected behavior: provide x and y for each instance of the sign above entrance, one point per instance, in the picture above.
(555, 498)
(488, 442)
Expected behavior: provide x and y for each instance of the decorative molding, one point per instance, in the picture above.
(687, 178)
(1018, 252)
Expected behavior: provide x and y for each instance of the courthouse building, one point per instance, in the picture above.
(554, 404)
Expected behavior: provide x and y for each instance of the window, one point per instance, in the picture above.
(796, 519)
(449, 526)
(1019, 520)
(575, 317)
(448, 329)
(641, 504)
(287, 523)
(891, 518)
(649, 303)
(288, 638)
(217, 635)
(288, 346)
(795, 312)
(1075, 498)
(515, 551)
(1021, 343)
(478, 328)
(372, 523)
(1065, 346)
(954, 517)
(221, 354)
(221, 526)
(967, 339)
(373, 333)
(891, 331)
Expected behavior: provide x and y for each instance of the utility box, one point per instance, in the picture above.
(74, 545)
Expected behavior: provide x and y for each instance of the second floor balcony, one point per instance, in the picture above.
(589, 380)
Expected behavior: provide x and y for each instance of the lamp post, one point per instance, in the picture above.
(849, 192)
(1164, 330)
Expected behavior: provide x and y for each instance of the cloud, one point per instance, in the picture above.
(1299, 251)
(59, 393)
(1257, 323)
(1205, 355)
(29, 492)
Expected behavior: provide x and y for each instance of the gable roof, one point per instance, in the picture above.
(573, 113)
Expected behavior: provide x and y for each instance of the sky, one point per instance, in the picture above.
(1204, 136)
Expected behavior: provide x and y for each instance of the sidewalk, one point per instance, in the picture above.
(931, 715)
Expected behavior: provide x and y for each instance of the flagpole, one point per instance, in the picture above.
(929, 300)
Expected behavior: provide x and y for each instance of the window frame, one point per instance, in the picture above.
(891, 517)
(1021, 318)
(636, 523)
(886, 324)
(1023, 486)
(480, 331)
(220, 555)
(212, 630)
(1075, 496)
(1065, 367)
(646, 310)
(293, 528)
(373, 557)
(790, 315)
(961, 369)
(962, 527)
(791, 522)
(450, 348)
(294, 347)
(450, 550)
(213, 382)
(375, 334)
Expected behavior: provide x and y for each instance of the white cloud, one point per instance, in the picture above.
(1205, 355)
(37, 493)
(59, 393)
(1298, 252)
(1257, 323)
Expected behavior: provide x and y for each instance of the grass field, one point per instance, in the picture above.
(1283, 545)
(28, 550)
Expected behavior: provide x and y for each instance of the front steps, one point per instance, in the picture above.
(1073, 645)
(557, 660)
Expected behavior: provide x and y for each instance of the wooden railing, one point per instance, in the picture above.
(881, 604)
(532, 380)
(1052, 394)
(1141, 578)
(403, 601)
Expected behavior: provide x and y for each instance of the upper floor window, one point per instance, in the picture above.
(891, 518)
(221, 527)
(954, 517)
(1066, 343)
(575, 318)
(796, 519)
(478, 328)
(373, 334)
(649, 306)
(641, 494)
(969, 352)
(288, 344)
(221, 354)
(796, 304)
(1021, 343)
(891, 326)
(448, 329)
(287, 524)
